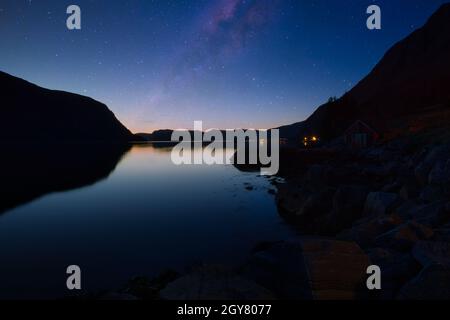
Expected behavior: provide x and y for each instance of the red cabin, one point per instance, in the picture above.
(360, 135)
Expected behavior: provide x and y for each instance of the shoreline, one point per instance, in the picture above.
(378, 206)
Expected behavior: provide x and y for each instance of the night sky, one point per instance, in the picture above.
(231, 63)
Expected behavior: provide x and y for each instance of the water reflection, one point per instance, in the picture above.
(28, 171)
(124, 213)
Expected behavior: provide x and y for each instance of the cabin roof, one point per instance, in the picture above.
(359, 125)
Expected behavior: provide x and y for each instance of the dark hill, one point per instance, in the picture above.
(32, 113)
(157, 136)
(408, 90)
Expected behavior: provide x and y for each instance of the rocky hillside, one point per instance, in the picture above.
(392, 200)
(408, 90)
(32, 113)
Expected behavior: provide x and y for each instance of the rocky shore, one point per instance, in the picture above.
(392, 201)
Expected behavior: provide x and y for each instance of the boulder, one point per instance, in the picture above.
(379, 171)
(434, 161)
(392, 187)
(431, 214)
(433, 193)
(148, 288)
(366, 230)
(317, 174)
(421, 173)
(432, 283)
(410, 190)
(304, 207)
(307, 210)
(290, 198)
(317, 204)
(438, 153)
(406, 209)
(397, 268)
(214, 283)
(440, 174)
(404, 236)
(380, 203)
(310, 268)
(431, 252)
(442, 234)
(117, 296)
(348, 206)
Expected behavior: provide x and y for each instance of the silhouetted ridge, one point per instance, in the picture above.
(32, 113)
(409, 89)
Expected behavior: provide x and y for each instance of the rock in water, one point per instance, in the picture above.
(214, 283)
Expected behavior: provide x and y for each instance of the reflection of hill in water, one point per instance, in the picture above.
(31, 171)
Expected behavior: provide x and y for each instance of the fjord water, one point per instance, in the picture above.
(144, 216)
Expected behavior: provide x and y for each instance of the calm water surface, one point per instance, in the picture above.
(146, 216)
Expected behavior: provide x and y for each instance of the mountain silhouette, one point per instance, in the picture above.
(32, 113)
(408, 90)
(157, 136)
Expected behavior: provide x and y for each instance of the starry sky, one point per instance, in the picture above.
(230, 63)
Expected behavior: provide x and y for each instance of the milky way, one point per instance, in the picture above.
(229, 63)
(226, 28)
